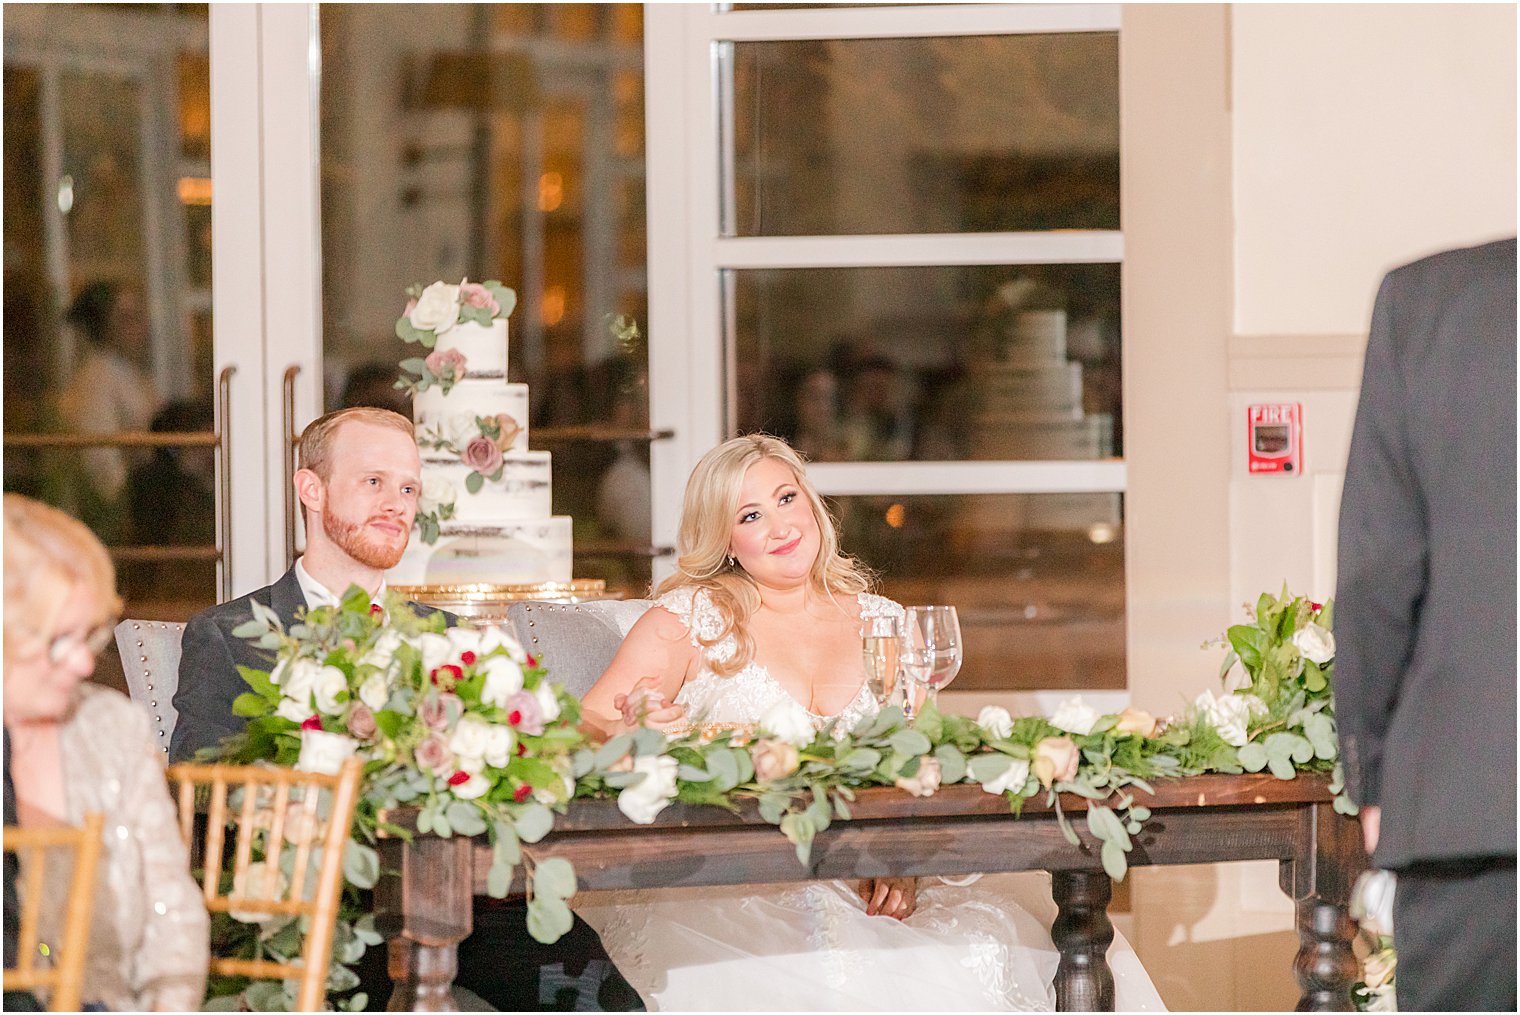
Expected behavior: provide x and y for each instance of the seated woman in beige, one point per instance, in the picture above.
(764, 610)
(78, 747)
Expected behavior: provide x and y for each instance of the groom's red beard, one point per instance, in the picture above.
(354, 539)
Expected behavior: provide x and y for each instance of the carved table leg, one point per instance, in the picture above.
(1325, 965)
(1083, 933)
(424, 911)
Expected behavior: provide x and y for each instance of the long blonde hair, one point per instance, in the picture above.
(47, 555)
(702, 544)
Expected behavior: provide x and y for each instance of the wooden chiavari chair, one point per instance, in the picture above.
(63, 975)
(273, 801)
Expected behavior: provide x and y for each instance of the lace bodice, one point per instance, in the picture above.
(745, 696)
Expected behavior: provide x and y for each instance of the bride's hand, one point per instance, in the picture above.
(894, 897)
(644, 705)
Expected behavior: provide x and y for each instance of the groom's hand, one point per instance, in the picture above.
(644, 705)
(894, 897)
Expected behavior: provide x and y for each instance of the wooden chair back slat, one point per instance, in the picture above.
(282, 804)
(65, 978)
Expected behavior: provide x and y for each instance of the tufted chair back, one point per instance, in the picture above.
(150, 656)
(576, 641)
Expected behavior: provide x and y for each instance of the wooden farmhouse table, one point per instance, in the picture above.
(425, 895)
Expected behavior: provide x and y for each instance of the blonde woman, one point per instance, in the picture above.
(76, 747)
(764, 608)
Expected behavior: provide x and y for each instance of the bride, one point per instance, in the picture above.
(764, 607)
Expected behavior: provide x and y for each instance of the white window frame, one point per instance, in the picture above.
(688, 253)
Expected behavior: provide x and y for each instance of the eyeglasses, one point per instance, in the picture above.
(94, 641)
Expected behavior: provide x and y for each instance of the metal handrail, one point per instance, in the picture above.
(119, 439)
(163, 554)
(224, 478)
(288, 423)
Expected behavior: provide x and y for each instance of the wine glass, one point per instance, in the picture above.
(934, 652)
(881, 641)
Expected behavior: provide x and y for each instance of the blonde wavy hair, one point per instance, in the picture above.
(47, 556)
(702, 544)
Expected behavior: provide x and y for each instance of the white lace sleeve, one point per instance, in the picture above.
(702, 619)
(872, 605)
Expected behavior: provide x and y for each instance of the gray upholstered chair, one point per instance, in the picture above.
(576, 641)
(150, 657)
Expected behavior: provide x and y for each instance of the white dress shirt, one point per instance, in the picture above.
(317, 594)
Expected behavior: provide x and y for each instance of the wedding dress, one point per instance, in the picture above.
(811, 946)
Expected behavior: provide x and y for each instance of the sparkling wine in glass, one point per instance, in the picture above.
(881, 643)
(935, 632)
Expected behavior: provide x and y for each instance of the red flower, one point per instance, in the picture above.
(459, 778)
(449, 670)
(532, 660)
(375, 609)
(1316, 607)
(514, 717)
(314, 723)
(522, 748)
(521, 793)
(468, 658)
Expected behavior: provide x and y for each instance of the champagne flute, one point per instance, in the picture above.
(881, 644)
(934, 633)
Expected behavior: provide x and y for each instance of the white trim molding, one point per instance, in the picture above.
(926, 249)
(917, 22)
(845, 479)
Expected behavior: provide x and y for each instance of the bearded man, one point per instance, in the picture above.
(358, 484)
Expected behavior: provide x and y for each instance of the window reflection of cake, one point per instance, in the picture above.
(486, 516)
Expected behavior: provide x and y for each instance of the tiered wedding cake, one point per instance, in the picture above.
(485, 514)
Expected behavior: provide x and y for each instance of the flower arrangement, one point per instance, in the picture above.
(434, 311)
(479, 441)
(463, 725)
(435, 505)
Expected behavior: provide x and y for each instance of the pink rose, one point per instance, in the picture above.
(1134, 720)
(361, 721)
(925, 782)
(473, 294)
(433, 713)
(773, 759)
(524, 712)
(446, 363)
(1055, 760)
(434, 754)
(482, 455)
(509, 429)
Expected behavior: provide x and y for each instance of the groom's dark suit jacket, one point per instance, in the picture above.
(208, 676)
(500, 961)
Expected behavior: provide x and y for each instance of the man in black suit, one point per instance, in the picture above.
(1425, 622)
(358, 485)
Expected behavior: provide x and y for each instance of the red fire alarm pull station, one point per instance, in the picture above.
(1275, 438)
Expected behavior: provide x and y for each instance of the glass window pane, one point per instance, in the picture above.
(945, 135)
(1037, 579)
(942, 363)
(510, 148)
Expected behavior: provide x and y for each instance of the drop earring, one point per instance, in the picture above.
(731, 561)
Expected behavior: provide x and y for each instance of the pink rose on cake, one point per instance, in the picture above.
(482, 455)
(473, 294)
(446, 364)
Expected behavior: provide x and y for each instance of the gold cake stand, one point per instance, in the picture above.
(490, 602)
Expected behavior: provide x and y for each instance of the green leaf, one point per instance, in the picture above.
(988, 767)
(860, 759)
(799, 829)
(554, 877)
(259, 682)
(465, 818)
(952, 764)
(249, 705)
(506, 848)
(1229, 660)
(499, 879)
(1314, 677)
(361, 864)
(549, 919)
(1114, 860)
(405, 331)
(613, 751)
(648, 742)
(415, 364)
(723, 770)
(1249, 643)
(1253, 757)
(1343, 805)
(1065, 825)
(533, 821)
(1326, 618)
(691, 773)
(248, 629)
(909, 742)
(1319, 729)
(773, 807)
(474, 481)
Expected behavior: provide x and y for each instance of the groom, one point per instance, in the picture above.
(358, 485)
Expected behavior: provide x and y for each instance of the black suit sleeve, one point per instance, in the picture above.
(208, 683)
(1383, 556)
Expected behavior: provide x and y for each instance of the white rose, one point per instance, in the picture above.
(1013, 778)
(789, 721)
(323, 752)
(548, 701)
(996, 721)
(436, 492)
(464, 639)
(495, 637)
(1315, 643)
(300, 680)
(383, 652)
(644, 800)
(437, 309)
(295, 711)
(263, 882)
(375, 691)
(1372, 900)
(499, 744)
(461, 427)
(471, 739)
(278, 673)
(1230, 714)
(436, 651)
(1074, 716)
(329, 684)
(473, 787)
(503, 679)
